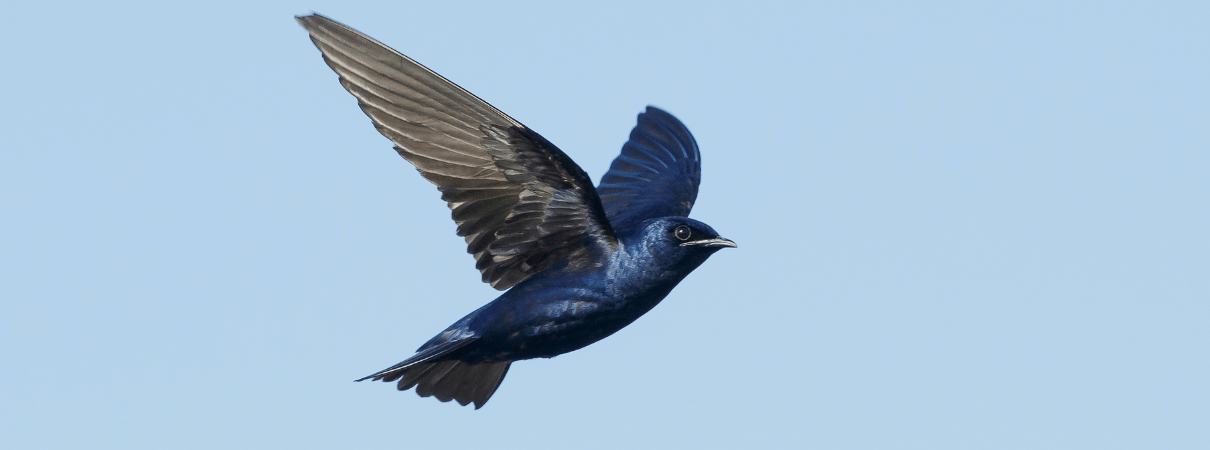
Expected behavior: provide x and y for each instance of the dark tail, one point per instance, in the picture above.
(453, 380)
(446, 379)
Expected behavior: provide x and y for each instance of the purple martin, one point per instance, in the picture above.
(577, 263)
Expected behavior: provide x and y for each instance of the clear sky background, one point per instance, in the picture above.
(960, 226)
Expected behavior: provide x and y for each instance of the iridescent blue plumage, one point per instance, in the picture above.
(655, 176)
(577, 266)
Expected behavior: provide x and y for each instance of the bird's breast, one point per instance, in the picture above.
(549, 316)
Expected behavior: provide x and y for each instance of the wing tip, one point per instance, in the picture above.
(310, 19)
(652, 109)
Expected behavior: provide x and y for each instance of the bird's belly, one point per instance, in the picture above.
(559, 327)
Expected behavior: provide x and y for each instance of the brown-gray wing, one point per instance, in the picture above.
(520, 202)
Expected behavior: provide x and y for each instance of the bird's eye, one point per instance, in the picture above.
(682, 232)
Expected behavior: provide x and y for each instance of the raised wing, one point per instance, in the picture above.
(519, 201)
(655, 176)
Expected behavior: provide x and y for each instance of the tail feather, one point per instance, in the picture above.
(445, 387)
(456, 380)
(491, 379)
(446, 379)
(409, 378)
(429, 354)
(429, 380)
(476, 378)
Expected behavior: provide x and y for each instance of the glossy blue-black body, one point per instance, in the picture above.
(565, 308)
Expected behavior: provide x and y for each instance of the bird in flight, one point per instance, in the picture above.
(577, 263)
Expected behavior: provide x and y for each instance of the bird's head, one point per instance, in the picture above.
(681, 242)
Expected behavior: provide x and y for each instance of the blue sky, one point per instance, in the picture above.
(960, 226)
